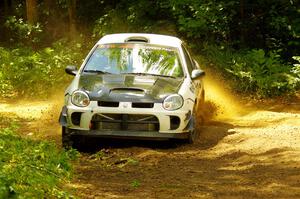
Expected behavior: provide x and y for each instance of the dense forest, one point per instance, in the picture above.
(254, 43)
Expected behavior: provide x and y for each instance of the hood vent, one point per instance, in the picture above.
(129, 89)
(137, 39)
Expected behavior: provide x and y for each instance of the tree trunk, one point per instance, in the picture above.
(72, 17)
(31, 11)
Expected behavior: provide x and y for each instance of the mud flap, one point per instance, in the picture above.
(63, 116)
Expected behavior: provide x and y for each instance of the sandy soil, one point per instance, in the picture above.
(246, 150)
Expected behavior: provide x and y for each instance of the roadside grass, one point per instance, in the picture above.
(32, 168)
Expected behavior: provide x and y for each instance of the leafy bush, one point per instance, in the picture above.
(257, 72)
(32, 169)
(131, 16)
(204, 19)
(24, 71)
(113, 22)
(22, 31)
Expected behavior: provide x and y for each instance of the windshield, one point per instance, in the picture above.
(135, 58)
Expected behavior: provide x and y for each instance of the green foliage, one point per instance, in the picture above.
(27, 72)
(22, 31)
(273, 25)
(135, 183)
(257, 72)
(113, 21)
(32, 169)
(296, 68)
(204, 19)
(135, 16)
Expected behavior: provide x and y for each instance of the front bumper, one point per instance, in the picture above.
(165, 130)
(144, 135)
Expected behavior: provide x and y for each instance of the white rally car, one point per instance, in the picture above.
(134, 86)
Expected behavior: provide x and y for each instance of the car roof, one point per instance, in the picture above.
(155, 39)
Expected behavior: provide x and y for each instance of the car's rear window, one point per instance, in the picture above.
(135, 58)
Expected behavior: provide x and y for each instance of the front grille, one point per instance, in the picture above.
(124, 122)
(142, 105)
(134, 104)
(108, 104)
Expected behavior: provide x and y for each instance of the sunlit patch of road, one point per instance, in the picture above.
(26, 110)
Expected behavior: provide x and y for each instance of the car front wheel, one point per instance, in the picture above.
(67, 141)
(194, 133)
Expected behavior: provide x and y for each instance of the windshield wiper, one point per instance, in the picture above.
(149, 74)
(96, 71)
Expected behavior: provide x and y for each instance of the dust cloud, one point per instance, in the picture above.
(220, 102)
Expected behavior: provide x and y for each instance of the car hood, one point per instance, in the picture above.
(129, 88)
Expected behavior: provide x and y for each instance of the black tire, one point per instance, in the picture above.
(198, 119)
(194, 134)
(67, 141)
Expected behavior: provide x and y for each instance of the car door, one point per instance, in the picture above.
(196, 83)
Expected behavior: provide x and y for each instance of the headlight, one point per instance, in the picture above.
(173, 102)
(80, 98)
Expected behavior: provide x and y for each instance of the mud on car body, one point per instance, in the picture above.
(134, 86)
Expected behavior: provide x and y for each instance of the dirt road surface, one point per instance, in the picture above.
(246, 150)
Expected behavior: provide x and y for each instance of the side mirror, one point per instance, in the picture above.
(197, 73)
(71, 70)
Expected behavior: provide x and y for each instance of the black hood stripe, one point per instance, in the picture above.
(129, 88)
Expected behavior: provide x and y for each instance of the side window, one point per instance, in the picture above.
(189, 62)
